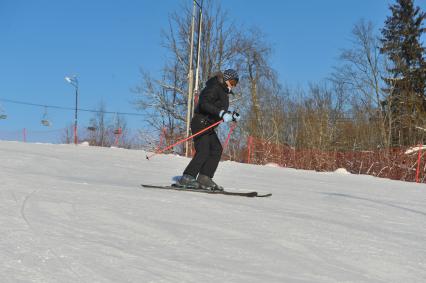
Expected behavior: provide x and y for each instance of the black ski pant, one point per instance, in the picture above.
(207, 156)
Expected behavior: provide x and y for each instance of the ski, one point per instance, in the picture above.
(176, 188)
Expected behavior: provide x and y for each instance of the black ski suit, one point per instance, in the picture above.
(213, 98)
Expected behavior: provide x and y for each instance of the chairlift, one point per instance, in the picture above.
(44, 120)
(2, 114)
(118, 131)
(91, 128)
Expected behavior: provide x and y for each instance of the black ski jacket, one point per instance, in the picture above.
(213, 98)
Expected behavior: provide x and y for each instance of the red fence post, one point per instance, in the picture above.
(249, 145)
(162, 137)
(418, 163)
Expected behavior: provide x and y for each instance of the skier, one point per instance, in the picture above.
(212, 106)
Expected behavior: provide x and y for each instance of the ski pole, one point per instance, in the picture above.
(225, 145)
(230, 130)
(184, 140)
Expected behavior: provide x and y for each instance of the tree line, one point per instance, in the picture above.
(374, 98)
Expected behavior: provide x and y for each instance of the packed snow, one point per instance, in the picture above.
(78, 214)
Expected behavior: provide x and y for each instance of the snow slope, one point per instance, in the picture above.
(77, 214)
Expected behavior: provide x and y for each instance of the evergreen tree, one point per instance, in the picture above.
(406, 103)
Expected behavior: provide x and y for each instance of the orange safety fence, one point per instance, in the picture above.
(394, 163)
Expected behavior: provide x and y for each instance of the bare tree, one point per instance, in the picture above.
(223, 45)
(98, 127)
(361, 74)
(68, 134)
(165, 99)
(263, 103)
(318, 115)
(104, 132)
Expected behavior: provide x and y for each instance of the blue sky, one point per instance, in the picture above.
(106, 42)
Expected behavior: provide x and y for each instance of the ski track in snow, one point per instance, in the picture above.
(78, 214)
(40, 235)
(23, 207)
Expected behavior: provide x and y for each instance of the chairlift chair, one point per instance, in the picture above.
(2, 114)
(45, 121)
(118, 131)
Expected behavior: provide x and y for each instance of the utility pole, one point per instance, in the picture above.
(191, 88)
(190, 83)
(197, 71)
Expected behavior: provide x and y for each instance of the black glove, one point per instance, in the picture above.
(235, 116)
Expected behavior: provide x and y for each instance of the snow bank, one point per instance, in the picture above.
(414, 149)
(275, 165)
(342, 171)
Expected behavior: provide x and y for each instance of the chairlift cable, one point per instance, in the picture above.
(69, 108)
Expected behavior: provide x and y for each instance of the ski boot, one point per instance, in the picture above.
(207, 183)
(188, 182)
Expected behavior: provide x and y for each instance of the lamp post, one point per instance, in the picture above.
(74, 82)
